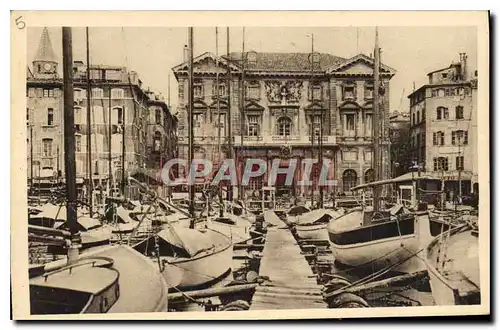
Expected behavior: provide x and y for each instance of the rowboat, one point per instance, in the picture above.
(191, 259)
(235, 227)
(108, 279)
(452, 261)
(313, 225)
(390, 238)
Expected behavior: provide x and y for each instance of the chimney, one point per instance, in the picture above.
(463, 65)
(185, 53)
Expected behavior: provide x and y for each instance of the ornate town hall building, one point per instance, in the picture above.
(287, 99)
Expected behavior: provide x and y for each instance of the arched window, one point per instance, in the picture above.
(284, 126)
(349, 179)
(157, 142)
(369, 175)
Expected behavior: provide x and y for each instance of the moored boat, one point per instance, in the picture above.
(452, 260)
(387, 239)
(113, 279)
(235, 227)
(191, 259)
(313, 225)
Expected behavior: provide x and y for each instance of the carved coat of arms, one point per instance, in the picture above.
(283, 91)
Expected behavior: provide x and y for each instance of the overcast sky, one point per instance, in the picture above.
(154, 51)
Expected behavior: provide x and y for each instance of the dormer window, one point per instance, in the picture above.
(444, 75)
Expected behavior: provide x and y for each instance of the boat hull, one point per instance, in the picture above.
(456, 275)
(312, 232)
(236, 233)
(198, 272)
(378, 254)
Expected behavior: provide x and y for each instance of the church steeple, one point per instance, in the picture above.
(45, 62)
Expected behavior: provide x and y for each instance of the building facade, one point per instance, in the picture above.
(443, 133)
(161, 132)
(276, 103)
(399, 134)
(120, 112)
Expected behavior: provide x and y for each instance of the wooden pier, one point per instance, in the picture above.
(292, 284)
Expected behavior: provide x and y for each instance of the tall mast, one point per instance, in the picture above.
(69, 143)
(32, 185)
(219, 151)
(242, 113)
(168, 100)
(217, 93)
(123, 137)
(110, 145)
(190, 120)
(228, 117)
(313, 124)
(89, 129)
(376, 125)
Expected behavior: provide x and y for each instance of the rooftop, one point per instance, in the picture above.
(285, 61)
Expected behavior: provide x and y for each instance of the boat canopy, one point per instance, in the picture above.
(314, 217)
(51, 211)
(191, 240)
(412, 176)
(123, 214)
(297, 210)
(88, 222)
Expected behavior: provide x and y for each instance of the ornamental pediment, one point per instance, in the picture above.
(253, 106)
(359, 65)
(207, 63)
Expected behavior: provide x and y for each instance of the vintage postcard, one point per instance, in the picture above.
(249, 165)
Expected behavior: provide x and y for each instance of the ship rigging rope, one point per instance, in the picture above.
(375, 275)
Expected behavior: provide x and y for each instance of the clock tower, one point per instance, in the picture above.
(45, 62)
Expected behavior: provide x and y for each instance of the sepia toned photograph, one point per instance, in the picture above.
(180, 170)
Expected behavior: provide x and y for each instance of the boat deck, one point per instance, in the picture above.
(461, 266)
(292, 282)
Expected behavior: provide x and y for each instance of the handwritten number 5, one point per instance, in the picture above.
(20, 24)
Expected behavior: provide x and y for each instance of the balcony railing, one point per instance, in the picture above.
(324, 138)
(48, 128)
(285, 138)
(253, 138)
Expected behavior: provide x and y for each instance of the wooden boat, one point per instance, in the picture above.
(293, 213)
(313, 225)
(191, 259)
(452, 260)
(235, 227)
(388, 239)
(92, 232)
(108, 279)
